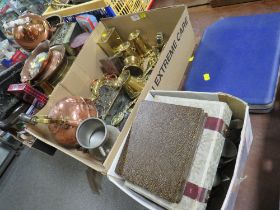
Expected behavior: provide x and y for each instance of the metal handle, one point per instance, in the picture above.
(44, 119)
(34, 119)
(26, 118)
(102, 151)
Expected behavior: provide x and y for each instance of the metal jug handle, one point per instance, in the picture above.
(102, 151)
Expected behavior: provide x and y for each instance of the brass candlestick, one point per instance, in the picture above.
(109, 41)
(137, 41)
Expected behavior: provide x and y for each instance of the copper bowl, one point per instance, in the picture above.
(25, 74)
(74, 110)
(29, 35)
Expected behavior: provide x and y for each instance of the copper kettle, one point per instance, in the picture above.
(29, 34)
(64, 118)
(75, 110)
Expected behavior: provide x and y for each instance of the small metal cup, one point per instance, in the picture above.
(93, 133)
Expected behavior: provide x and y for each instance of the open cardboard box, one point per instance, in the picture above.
(240, 110)
(167, 74)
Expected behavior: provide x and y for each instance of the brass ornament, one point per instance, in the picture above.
(126, 49)
(118, 118)
(134, 65)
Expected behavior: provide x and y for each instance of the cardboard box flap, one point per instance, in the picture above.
(237, 105)
(48, 139)
(89, 57)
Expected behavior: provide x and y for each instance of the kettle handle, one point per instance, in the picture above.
(9, 31)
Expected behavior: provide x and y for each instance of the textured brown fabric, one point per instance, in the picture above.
(120, 165)
(161, 148)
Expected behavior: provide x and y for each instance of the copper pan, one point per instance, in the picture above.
(42, 47)
(58, 55)
(55, 78)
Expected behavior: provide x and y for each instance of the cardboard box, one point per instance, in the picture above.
(239, 109)
(167, 74)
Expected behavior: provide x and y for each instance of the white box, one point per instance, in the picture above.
(240, 110)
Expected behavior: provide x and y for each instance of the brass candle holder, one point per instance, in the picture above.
(109, 41)
(142, 48)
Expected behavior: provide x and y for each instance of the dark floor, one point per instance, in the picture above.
(36, 181)
(260, 191)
